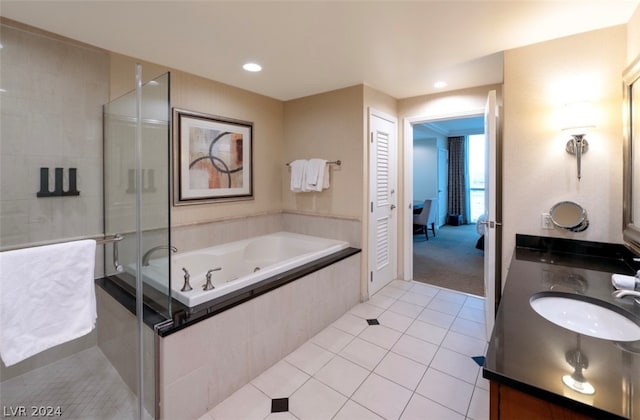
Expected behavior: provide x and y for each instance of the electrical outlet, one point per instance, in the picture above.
(545, 221)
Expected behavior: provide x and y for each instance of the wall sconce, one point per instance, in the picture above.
(577, 119)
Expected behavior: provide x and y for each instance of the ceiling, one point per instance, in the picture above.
(450, 127)
(307, 47)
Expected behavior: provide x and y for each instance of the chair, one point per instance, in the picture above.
(426, 218)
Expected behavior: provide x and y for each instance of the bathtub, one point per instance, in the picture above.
(242, 263)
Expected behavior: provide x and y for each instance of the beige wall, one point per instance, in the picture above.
(537, 172)
(326, 126)
(195, 93)
(633, 36)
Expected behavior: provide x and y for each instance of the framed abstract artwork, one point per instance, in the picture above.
(213, 158)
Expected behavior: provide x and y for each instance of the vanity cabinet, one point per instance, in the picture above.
(506, 403)
(531, 362)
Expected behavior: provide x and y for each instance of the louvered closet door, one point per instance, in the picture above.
(382, 195)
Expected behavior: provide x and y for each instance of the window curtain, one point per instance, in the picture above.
(457, 198)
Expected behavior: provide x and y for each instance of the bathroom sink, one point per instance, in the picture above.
(593, 317)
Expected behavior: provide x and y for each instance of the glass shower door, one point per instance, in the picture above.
(136, 207)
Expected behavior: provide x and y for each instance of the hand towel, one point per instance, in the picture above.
(315, 174)
(620, 281)
(48, 297)
(298, 173)
(325, 183)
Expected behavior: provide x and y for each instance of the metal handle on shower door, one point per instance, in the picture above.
(116, 238)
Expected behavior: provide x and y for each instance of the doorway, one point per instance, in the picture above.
(437, 252)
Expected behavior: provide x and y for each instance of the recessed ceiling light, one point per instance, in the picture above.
(252, 67)
(440, 84)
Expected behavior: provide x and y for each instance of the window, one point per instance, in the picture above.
(476, 169)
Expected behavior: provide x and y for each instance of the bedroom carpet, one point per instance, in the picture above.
(450, 260)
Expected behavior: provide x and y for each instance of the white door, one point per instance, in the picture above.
(382, 200)
(443, 181)
(490, 130)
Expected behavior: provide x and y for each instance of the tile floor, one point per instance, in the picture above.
(407, 353)
(85, 386)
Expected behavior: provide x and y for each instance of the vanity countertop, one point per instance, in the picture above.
(529, 353)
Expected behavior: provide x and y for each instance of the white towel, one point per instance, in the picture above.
(48, 297)
(298, 172)
(620, 281)
(315, 174)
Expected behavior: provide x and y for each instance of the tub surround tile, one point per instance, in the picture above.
(250, 338)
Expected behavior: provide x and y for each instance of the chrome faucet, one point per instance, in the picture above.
(186, 286)
(147, 255)
(209, 285)
(626, 292)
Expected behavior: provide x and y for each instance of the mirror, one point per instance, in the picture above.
(569, 215)
(631, 180)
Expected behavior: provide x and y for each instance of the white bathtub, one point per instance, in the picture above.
(242, 263)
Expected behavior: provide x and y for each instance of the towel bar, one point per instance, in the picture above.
(333, 162)
(99, 241)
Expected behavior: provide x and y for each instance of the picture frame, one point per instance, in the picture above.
(213, 158)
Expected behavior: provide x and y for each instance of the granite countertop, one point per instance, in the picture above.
(530, 354)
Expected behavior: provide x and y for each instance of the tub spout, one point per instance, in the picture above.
(147, 255)
(625, 292)
(208, 285)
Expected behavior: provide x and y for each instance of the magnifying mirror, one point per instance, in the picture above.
(569, 215)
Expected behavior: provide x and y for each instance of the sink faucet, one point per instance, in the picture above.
(147, 255)
(625, 292)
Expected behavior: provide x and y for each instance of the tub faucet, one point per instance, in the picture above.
(209, 285)
(147, 255)
(186, 287)
(626, 292)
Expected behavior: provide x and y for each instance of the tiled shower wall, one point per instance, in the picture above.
(51, 113)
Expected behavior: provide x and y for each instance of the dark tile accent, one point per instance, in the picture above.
(279, 405)
(373, 322)
(479, 360)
